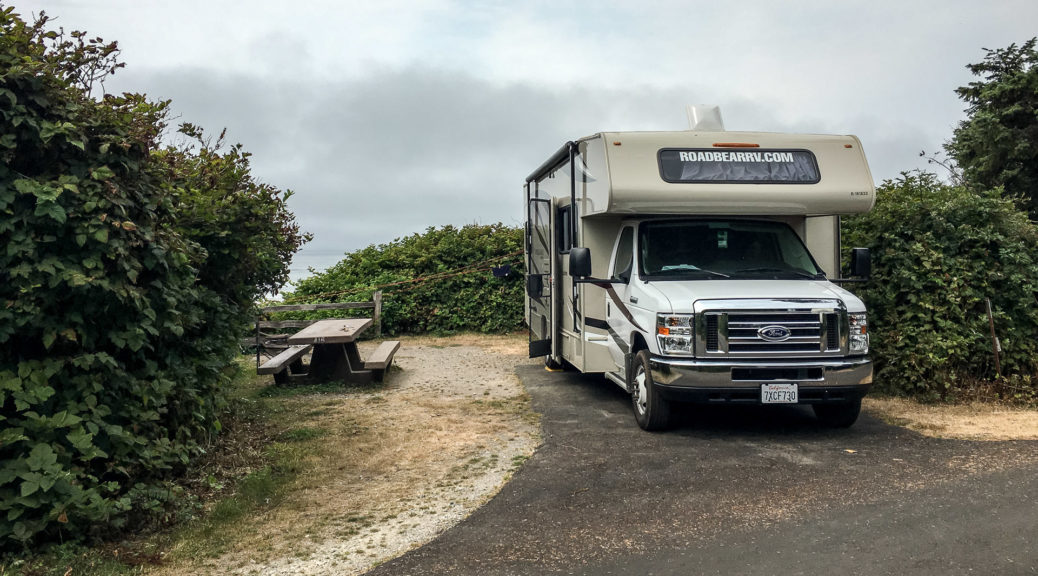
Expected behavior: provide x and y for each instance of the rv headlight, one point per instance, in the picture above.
(859, 333)
(674, 333)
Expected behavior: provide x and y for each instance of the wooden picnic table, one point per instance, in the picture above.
(335, 355)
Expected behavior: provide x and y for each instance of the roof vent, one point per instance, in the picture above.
(704, 118)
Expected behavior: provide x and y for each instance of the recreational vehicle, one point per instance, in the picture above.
(702, 266)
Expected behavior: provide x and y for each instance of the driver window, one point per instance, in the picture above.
(624, 260)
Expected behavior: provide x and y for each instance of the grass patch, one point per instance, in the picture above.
(327, 388)
(975, 421)
(68, 559)
(278, 457)
(250, 469)
(210, 535)
(301, 434)
(518, 461)
(518, 405)
(274, 391)
(256, 490)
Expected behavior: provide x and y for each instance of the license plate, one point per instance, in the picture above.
(778, 394)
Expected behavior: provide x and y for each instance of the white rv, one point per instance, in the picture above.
(700, 266)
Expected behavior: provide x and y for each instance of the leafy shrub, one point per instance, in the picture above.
(438, 281)
(244, 226)
(112, 352)
(938, 252)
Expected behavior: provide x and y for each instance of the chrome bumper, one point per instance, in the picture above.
(819, 380)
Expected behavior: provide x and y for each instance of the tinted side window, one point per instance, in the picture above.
(622, 264)
(565, 239)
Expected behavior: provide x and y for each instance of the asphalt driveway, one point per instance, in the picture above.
(741, 490)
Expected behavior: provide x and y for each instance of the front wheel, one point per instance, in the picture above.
(841, 415)
(651, 410)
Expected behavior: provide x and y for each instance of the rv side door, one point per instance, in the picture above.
(538, 277)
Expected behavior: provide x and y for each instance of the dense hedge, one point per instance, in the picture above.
(938, 251)
(440, 281)
(113, 343)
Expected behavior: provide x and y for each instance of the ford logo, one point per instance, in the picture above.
(774, 333)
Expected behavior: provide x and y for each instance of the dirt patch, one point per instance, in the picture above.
(397, 464)
(968, 422)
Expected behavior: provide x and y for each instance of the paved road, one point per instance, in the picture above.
(741, 491)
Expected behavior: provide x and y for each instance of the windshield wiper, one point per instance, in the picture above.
(712, 273)
(680, 272)
(765, 270)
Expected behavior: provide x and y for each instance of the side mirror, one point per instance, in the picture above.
(861, 262)
(580, 262)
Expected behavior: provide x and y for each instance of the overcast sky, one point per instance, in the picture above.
(387, 117)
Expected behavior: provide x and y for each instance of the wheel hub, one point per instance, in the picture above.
(641, 393)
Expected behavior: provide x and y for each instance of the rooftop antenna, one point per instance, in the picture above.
(704, 118)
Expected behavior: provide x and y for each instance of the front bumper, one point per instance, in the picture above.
(818, 381)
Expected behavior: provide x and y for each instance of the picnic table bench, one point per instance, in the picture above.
(285, 365)
(380, 360)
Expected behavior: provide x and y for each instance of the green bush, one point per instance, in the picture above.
(438, 281)
(114, 345)
(244, 226)
(938, 251)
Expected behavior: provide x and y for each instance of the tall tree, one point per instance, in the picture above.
(997, 145)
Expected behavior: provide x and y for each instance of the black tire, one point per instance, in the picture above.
(551, 364)
(651, 410)
(841, 415)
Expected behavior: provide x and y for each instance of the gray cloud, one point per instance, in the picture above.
(392, 153)
(389, 117)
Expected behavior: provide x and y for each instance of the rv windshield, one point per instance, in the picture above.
(714, 249)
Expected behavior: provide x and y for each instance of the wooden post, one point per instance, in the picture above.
(377, 315)
(259, 342)
(994, 339)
